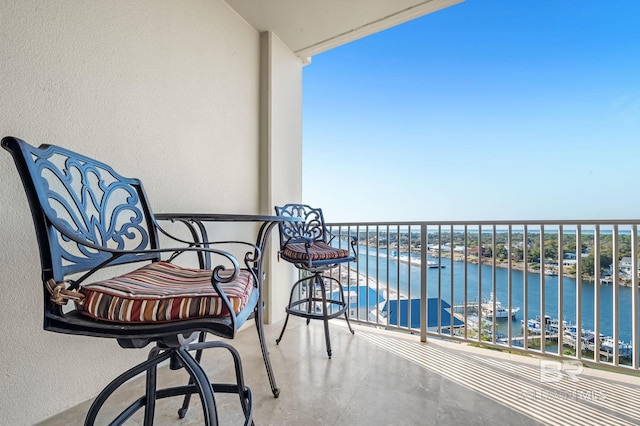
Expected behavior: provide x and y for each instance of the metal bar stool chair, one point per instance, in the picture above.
(88, 218)
(308, 245)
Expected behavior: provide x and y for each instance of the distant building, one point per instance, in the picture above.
(438, 317)
(474, 251)
(625, 263)
(625, 266)
(443, 248)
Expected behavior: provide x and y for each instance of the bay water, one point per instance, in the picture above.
(449, 284)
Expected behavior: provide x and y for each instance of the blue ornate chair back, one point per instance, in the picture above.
(97, 206)
(311, 230)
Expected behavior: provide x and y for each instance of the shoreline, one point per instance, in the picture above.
(359, 279)
(352, 274)
(517, 266)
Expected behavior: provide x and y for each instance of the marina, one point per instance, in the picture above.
(396, 312)
(551, 329)
(396, 278)
(486, 309)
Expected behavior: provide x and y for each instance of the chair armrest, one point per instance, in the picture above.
(307, 241)
(195, 225)
(352, 241)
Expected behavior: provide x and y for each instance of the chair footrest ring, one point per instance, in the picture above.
(335, 308)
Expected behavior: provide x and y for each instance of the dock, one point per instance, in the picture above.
(603, 345)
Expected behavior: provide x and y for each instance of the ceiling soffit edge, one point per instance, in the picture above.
(383, 23)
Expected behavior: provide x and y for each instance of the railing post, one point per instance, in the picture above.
(634, 297)
(423, 283)
(579, 292)
(596, 295)
(615, 284)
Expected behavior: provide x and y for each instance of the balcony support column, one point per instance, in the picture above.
(280, 161)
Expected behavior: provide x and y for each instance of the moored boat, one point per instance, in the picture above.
(500, 310)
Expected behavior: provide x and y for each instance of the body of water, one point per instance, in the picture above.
(449, 284)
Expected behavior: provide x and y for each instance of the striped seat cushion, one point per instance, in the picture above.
(319, 250)
(162, 292)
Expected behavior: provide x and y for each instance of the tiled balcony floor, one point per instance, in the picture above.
(384, 378)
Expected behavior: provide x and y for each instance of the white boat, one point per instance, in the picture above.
(414, 261)
(624, 349)
(500, 311)
(535, 326)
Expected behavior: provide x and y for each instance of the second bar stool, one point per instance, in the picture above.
(308, 245)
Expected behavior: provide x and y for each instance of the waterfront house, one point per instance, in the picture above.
(473, 251)
(625, 266)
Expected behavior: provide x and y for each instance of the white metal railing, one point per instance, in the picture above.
(512, 285)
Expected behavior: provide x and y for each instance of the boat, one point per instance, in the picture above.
(535, 326)
(607, 344)
(433, 264)
(414, 261)
(500, 311)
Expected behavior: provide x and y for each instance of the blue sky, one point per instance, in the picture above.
(487, 110)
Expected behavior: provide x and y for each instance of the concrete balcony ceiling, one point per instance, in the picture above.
(309, 27)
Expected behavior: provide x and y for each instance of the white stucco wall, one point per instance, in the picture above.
(167, 91)
(281, 153)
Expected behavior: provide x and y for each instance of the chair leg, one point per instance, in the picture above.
(323, 290)
(203, 385)
(150, 404)
(187, 398)
(198, 383)
(243, 391)
(239, 387)
(317, 280)
(346, 317)
(265, 352)
(346, 312)
(295, 286)
(284, 327)
(311, 292)
(119, 381)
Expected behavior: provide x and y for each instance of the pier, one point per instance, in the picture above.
(472, 308)
(589, 342)
(485, 309)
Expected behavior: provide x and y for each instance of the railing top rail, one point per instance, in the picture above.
(493, 222)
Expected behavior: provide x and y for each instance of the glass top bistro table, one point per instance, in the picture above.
(196, 223)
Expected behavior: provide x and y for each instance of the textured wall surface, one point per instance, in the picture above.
(166, 91)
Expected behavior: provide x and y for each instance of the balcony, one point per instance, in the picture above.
(384, 377)
(406, 364)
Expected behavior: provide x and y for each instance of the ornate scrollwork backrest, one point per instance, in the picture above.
(312, 228)
(85, 206)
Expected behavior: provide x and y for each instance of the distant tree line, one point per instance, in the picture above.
(411, 241)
